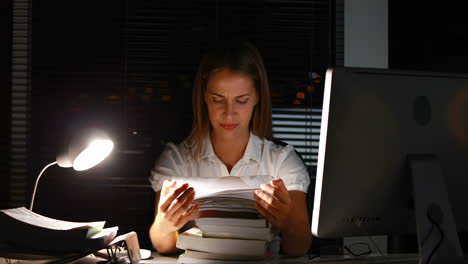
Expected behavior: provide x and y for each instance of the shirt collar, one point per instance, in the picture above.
(252, 151)
(207, 149)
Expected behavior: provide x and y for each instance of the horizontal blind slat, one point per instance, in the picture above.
(299, 127)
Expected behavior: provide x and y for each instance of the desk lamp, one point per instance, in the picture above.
(83, 153)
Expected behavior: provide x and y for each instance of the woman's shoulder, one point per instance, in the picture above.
(275, 145)
(286, 163)
(275, 148)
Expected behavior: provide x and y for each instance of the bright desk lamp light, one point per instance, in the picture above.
(82, 154)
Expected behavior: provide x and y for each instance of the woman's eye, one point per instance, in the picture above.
(241, 101)
(217, 100)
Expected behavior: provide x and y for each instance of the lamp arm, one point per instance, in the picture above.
(37, 181)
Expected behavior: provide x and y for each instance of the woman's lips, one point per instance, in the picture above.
(229, 126)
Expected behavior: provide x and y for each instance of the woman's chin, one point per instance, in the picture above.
(229, 134)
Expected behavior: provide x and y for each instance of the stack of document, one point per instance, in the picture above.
(28, 235)
(229, 227)
(23, 229)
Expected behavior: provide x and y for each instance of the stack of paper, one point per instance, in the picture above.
(24, 229)
(229, 227)
(26, 235)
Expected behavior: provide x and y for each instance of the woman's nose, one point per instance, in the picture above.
(228, 109)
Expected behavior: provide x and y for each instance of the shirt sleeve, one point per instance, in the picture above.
(292, 170)
(170, 164)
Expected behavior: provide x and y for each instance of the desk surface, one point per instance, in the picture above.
(156, 258)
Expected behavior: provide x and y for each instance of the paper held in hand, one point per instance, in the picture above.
(227, 186)
(229, 226)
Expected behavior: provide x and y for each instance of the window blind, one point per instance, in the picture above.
(20, 87)
(299, 127)
(5, 101)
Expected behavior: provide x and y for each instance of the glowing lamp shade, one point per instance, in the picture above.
(96, 152)
(83, 153)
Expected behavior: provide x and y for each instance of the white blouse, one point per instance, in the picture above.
(261, 157)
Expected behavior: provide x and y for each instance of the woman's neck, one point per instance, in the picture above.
(230, 151)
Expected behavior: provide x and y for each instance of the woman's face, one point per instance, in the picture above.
(230, 97)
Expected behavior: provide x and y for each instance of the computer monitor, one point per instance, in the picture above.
(372, 122)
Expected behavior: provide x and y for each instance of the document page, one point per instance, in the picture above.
(243, 186)
(24, 215)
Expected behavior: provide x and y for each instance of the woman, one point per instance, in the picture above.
(230, 137)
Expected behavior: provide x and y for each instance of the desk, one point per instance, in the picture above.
(157, 259)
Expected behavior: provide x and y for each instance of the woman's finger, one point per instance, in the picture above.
(278, 190)
(280, 184)
(180, 205)
(167, 184)
(270, 217)
(191, 214)
(173, 193)
(267, 201)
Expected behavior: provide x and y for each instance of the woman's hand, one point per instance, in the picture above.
(274, 203)
(287, 211)
(175, 207)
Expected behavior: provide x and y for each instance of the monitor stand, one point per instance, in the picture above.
(438, 240)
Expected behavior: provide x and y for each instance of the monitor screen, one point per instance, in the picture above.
(372, 120)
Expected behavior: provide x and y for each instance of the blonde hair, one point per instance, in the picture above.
(237, 56)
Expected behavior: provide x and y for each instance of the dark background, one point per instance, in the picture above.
(5, 84)
(127, 66)
(430, 36)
